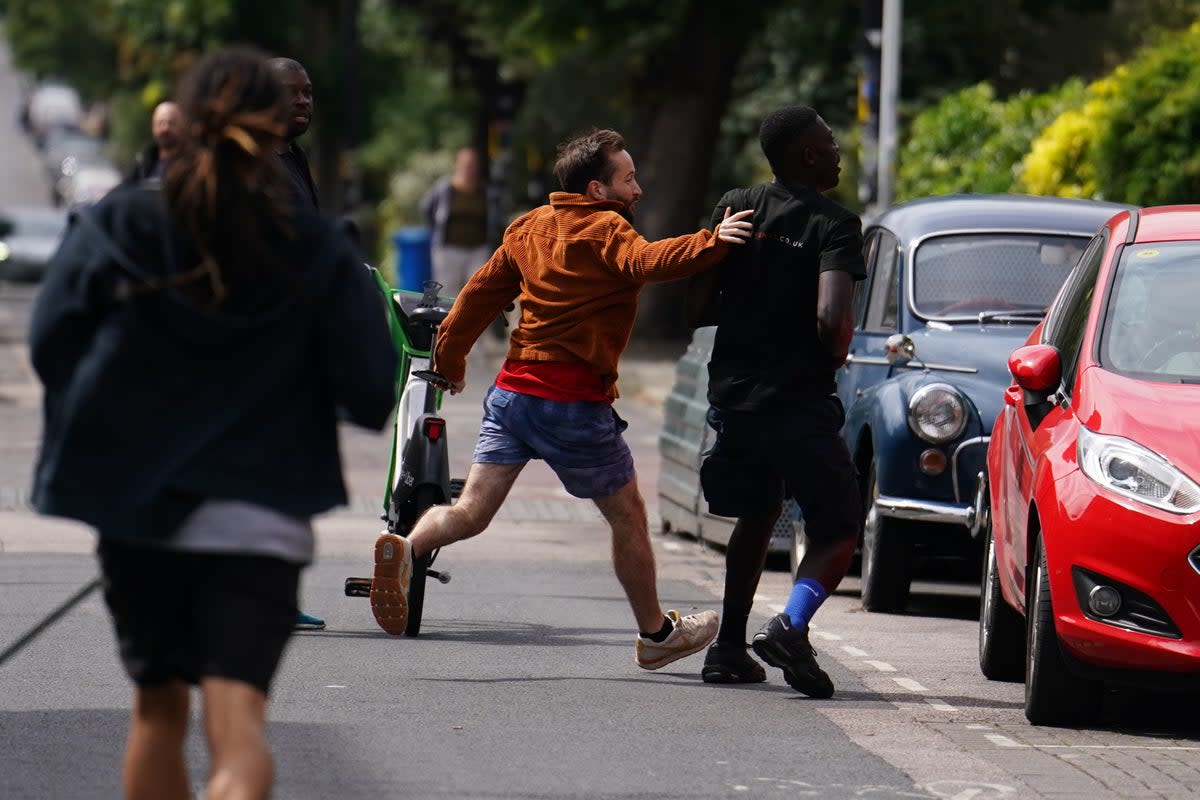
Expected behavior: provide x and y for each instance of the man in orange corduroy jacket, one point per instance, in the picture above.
(577, 266)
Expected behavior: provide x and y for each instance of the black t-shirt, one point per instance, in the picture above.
(767, 356)
(300, 183)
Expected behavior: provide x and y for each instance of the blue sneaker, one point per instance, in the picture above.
(307, 622)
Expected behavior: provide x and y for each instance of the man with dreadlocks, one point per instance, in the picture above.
(783, 327)
(198, 344)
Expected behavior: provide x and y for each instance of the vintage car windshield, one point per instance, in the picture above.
(965, 275)
(1152, 328)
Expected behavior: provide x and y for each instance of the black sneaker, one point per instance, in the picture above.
(781, 645)
(731, 664)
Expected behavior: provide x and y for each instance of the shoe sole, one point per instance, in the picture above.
(308, 626)
(389, 589)
(723, 675)
(672, 657)
(776, 656)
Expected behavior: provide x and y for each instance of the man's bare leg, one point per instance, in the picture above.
(154, 765)
(633, 557)
(235, 725)
(486, 488)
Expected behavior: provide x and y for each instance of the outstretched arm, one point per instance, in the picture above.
(677, 257)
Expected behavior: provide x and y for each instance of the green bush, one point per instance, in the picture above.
(1145, 150)
(971, 141)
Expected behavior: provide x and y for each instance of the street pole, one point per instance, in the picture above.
(889, 90)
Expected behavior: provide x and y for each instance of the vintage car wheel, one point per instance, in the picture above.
(1001, 630)
(1053, 695)
(886, 557)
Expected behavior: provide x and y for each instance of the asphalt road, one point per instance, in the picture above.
(522, 684)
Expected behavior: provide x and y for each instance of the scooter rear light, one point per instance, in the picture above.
(434, 428)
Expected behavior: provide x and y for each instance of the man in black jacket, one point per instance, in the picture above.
(166, 126)
(298, 87)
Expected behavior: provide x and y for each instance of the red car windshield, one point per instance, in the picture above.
(1152, 328)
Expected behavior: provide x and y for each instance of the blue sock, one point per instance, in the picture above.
(807, 596)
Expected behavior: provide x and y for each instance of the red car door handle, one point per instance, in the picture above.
(1014, 396)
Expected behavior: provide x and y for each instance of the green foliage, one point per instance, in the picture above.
(1059, 161)
(1145, 149)
(973, 142)
(67, 39)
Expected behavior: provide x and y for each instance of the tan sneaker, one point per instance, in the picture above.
(692, 634)
(389, 586)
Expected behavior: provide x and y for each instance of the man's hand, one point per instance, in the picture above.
(457, 386)
(735, 228)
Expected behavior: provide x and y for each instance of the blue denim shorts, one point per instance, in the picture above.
(580, 441)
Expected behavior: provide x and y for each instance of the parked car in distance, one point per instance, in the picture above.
(52, 105)
(684, 439)
(28, 238)
(1093, 558)
(953, 285)
(86, 181)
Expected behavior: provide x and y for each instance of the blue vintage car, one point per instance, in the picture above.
(954, 285)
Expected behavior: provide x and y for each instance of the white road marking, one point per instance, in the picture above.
(1002, 741)
(882, 666)
(910, 684)
(335, 686)
(827, 636)
(854, 651)
(940, 705)
(669, 545)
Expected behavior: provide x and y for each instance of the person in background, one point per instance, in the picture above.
(198, 343)
(302, 191)
(166, 127)
(784, 323)
(298, 89)
(458, 215)
(577, 265)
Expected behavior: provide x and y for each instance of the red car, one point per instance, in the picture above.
(1092, 560)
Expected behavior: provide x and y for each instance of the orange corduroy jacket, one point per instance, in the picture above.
(577, 267)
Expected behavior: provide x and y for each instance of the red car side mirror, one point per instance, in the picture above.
(1036, 367)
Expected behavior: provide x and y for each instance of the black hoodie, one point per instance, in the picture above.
(154, 403)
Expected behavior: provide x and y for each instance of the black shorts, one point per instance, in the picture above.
(758, 459)
(187, 615)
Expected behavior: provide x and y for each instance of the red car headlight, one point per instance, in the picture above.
(1125, 467)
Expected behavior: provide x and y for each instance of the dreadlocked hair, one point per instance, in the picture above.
(226, 188)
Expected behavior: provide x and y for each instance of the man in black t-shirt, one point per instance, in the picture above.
(783, 307)
(299, 89)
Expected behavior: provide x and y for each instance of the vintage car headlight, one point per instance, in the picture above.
(1127, 468)
(937, 412)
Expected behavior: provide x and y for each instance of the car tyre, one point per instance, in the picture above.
(886, 556)
(1053, 695)
(1001, 629)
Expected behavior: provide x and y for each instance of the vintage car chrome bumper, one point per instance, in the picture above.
(972, 516)
(925, 510)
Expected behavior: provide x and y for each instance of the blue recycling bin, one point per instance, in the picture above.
(414, 259)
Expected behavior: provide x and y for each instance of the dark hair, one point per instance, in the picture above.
(284, 64)
(780, 129)
(587, 158)
(226, 188)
